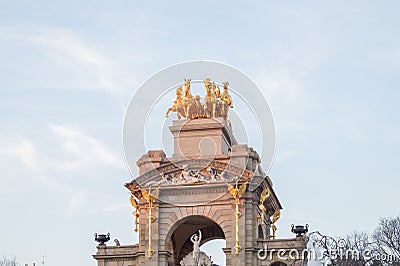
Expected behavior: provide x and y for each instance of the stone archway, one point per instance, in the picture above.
(178, 238)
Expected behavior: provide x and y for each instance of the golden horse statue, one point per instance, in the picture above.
(210, 105)
(188, 101)
(184, 104)
(216, 104)
(226, 100)
(177, 105)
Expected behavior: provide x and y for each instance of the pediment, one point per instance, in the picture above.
(192, 172)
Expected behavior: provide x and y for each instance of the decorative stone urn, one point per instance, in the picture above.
(102, 239)
(299, 230)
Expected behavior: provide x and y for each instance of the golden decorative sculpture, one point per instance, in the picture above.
(188, 101)
(210, 104)
(237, 193)
(151, 199)
(216, 104)
(199, 108)
(186, 91)
(135, 213)
(275, 217)
(226, 99)
(264, 196)
(217, 90)
(177, 104)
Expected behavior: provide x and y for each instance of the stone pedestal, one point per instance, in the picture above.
(201, 138)
(152, 159)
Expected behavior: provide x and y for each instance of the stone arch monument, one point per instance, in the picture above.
(212, 186)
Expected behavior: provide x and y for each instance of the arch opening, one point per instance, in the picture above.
(214, 248)
(178, 238)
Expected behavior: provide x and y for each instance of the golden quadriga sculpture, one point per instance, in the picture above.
(216, 104)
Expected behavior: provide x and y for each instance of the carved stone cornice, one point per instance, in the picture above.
(182, 190)
(230, 171)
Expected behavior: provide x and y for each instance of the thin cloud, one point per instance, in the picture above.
(84, 148)
(72, 53)
(25, 151)
(77, 151)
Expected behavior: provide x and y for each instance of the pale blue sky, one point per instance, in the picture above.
(329, 70)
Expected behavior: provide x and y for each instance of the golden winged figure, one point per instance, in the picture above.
(149, 196)
(264, 195)
(145, 194)
(237, 192)
(276, 216)
(134, 203)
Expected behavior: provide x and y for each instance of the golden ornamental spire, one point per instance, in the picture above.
(151, 198)
(237, 193)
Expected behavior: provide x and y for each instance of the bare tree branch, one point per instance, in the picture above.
(11, 261)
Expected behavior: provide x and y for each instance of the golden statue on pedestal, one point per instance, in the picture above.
(190, 107)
